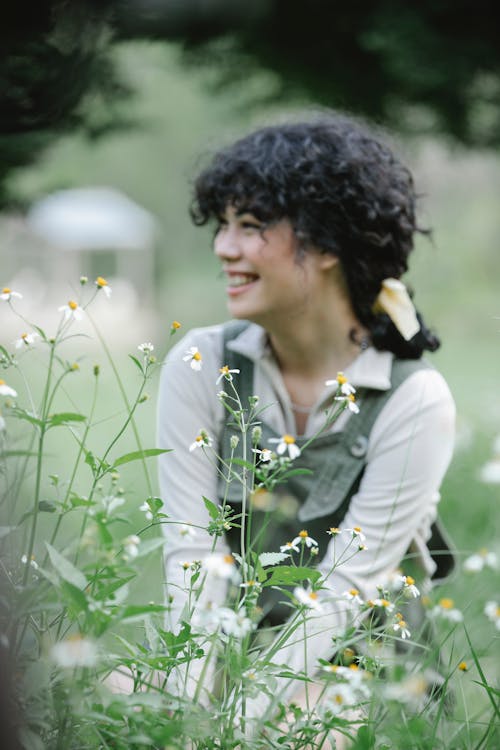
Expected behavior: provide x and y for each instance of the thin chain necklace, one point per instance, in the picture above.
(301, 409)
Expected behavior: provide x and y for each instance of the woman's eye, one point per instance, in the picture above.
(251, 225)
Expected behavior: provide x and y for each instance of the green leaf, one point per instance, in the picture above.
(65, 418)
(136, 455)
(289, 575)
(22, 414)
(272, 558)
(136, 362)
(75, 598)
(212, 508)
(137, 611)
(46, 506)
(65, 568)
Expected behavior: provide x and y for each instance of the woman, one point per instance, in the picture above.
(315, 221)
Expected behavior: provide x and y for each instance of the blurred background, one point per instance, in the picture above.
(109, 109)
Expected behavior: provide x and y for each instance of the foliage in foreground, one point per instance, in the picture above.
(81, 677)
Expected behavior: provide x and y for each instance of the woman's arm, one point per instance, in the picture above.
(187, 403)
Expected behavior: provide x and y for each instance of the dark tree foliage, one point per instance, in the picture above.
(56, 75)
(418, 65)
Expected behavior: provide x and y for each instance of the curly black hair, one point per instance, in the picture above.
(344, 192)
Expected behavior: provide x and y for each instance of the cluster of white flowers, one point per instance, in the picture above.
(483, 559)
(348, 686)
(345, 392)
(446, 610)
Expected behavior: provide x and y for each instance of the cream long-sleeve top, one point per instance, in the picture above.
(409, 449)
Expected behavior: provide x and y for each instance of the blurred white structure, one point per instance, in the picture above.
(95, 231)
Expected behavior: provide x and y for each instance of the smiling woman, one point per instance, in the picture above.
(315, 221)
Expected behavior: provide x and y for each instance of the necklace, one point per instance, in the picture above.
(301, 409)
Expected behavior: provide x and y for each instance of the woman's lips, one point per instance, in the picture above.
(239, 282)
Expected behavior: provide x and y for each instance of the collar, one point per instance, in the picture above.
(370, 369)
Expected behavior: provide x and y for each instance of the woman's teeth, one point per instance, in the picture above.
(241, 280)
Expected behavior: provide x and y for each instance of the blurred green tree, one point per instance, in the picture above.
(429, 67)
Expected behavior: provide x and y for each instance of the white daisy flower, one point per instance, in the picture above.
(25, 339)
(264, 455)
(350, 402)
(193, 356)
(305, 539)
(147, 511)
(220, 566)
(131, 546)
(340, 382)
(233, 623)
(6, 390)
(446, 610)
(226, 373)
(146, 348)
(353, 596)
(307, 598)
(7, 294)
(483, 559)
(103, 284)
(289, 547)
(381, 602)
(71, 310)
(202, 440)
(357, 532)
(33, 562)
(492, 612)
(286, 443)
(339, 696)
(401, 628)
(186, 530)
(76, 651)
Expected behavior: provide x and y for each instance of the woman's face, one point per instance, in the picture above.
(266, 281)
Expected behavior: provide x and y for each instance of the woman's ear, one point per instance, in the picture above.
(327, 261)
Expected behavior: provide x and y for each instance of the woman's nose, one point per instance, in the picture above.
(226, 245)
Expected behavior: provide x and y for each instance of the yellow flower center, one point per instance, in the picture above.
(354, 592)
(2, 382)
(410, 581)
(402, 624)
(251, 583)
(176, 325)
(288, 439)
(463, 666)
(313, 595)
(384, 603)
(341, 378)
(446, 603)
(199, 438)
(197, 356)
(334, 530)
(354, 667)
(101, 282)
(24, 336)
(224, 370)
(357, 529)
(72, 305)
(228, 559)
(303, 534)
(338, 699)
(351, 397)
(6, 290)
